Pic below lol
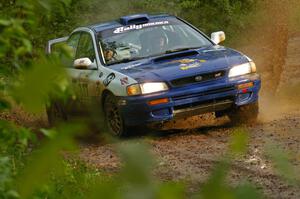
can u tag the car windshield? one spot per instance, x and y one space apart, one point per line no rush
133 42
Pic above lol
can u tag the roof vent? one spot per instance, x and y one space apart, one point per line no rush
134 19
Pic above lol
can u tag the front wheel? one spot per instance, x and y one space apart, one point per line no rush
246 114
114 120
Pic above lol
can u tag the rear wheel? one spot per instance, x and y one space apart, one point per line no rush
56 113
246 114
114 120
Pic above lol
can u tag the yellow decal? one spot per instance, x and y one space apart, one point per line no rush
184 61
186 67
186 64
194 64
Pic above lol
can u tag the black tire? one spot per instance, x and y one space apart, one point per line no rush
113 119
56 113
246 114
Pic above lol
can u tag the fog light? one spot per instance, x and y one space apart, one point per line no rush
246 85
158 101
244 97
162 112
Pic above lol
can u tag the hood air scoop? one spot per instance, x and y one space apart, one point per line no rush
175 55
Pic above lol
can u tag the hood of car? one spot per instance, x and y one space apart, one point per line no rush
182 64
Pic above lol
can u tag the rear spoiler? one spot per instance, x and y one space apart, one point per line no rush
54 41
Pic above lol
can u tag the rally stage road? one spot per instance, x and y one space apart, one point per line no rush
190 148
189 155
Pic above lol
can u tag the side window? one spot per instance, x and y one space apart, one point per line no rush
73 43
86 47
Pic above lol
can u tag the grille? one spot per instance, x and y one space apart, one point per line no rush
209 92
198 78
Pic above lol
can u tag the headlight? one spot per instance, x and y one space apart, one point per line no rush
242 69
146 88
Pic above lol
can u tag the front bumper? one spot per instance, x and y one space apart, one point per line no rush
190 100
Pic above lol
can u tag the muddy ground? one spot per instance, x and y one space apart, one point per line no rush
189 149
189 154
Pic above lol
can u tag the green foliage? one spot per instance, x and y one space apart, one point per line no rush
28 169
45 78
6 190
207 15
282 163
217 186
238 142
46 160
135 180
18 70
14 140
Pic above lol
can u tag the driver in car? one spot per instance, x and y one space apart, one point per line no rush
109 55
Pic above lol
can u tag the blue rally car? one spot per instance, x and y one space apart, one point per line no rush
143 69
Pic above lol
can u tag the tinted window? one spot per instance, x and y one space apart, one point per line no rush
86 47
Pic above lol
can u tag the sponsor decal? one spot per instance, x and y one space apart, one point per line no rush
108 79
131 66
189 66
124 81
184 61
189 63
140 26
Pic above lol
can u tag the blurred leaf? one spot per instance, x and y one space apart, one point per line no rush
4 104
46 161
4 22
138 163
247 191
46 78
14 140
281 162
171 191
107 190
6 179
50 133
216 187
238 141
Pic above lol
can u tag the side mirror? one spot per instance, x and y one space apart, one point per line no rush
84 63
218 37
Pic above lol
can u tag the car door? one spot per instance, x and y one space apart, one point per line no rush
85 81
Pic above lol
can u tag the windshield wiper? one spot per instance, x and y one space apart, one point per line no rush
180 49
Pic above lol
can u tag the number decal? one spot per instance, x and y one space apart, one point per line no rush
108 79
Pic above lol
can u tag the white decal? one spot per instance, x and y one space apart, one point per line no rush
131 66
137 27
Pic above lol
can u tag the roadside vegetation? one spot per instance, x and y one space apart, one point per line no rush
43 163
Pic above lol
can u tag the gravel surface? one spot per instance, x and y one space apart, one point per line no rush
189 149
190 154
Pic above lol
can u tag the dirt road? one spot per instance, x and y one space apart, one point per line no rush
189 155
193 146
